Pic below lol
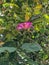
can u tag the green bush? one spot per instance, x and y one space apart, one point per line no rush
30 44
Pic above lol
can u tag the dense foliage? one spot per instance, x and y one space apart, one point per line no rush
24 32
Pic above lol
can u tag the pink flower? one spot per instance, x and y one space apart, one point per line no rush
25 25
19 26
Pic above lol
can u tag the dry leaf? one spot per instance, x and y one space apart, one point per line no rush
2 28
27 16
1 43
1 2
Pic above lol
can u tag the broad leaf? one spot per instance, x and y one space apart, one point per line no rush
9 49
31 47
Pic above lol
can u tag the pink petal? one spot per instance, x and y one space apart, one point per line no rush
25 25
20 26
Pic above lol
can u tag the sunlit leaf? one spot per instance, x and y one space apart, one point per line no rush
37 28
10 4
39 6
46 16
1 21
37 9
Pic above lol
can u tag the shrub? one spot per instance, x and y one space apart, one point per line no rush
24 32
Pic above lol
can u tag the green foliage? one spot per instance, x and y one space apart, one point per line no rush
24 47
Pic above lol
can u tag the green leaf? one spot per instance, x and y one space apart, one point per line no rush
33 63
9 49
35 17
31 47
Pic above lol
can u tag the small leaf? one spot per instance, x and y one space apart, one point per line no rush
46 16
35 17
37 9
27 16
37 28
39 6
10 4
1 20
